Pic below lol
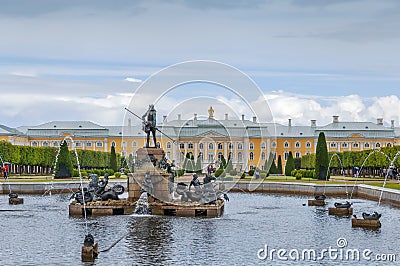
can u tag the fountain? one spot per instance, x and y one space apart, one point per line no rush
372 220
142 205
13 198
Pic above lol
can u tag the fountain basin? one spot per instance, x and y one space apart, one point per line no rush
188 209
340 211
109 207
365 223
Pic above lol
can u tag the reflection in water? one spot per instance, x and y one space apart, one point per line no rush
149 243
40 232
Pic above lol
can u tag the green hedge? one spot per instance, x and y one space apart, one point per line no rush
303 173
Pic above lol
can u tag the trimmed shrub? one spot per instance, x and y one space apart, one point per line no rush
84 173
180 172
117 174
298 176
219 172
110 172
251 172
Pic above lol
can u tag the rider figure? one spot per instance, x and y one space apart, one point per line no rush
195 182
149 124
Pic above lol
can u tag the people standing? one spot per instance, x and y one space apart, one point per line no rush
5 171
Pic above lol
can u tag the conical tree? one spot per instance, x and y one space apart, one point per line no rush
321 159
289 167
113 160
273 169
64 168
279 167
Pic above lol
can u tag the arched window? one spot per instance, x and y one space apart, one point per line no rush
366 145
201 156
220 156
355 145
134 144
285 155
263 156
251 156
168 155
123 153
190 146
377 145
297 145
308 152
333 145
240 157
388 144
308 144
344 145
240 146
123 144
45 144
263 146
201 146
273 145
182 146
113 144
286 144
230 146
220 147
55 144
210 146
230 156
168 145
297 154
210 157
251 146
158 145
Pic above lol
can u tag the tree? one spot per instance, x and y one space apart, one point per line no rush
64 166
198 168
321 158
113 159
289 167
268 163
279 168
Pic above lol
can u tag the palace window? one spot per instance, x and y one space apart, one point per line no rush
99 144
182 146
377 145
123 153
308 144
220 156
366 145
78 144
55 144
297 145
123 144
210 156
251 146
251 156
240 146
333 145
190 146
113 144
230 146
263 146
297 154
263 156
273 144
240 157
34 144
158 145
168 145
286 144
210 146
168 155
388 144
286 155
201 146
355 145
220 147
201 156
45 144
134 144
88 144
344 145
230 156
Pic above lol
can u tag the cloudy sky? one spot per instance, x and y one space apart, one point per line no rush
311 59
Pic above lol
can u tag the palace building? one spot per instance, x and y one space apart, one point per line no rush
247 142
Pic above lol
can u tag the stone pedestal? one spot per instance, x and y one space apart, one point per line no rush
340 211
365 223
89 253
159 178
15 201
316 202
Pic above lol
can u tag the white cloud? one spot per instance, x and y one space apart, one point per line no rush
134 80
